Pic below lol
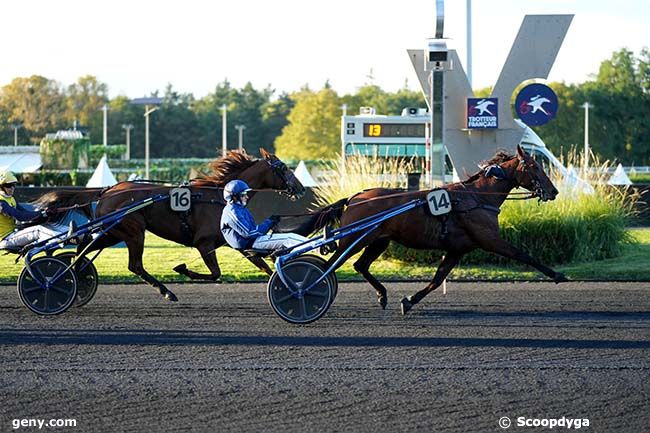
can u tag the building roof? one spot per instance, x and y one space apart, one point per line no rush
21 162
65 134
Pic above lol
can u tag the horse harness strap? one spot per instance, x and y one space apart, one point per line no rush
489 207
444 219
187 235
186 229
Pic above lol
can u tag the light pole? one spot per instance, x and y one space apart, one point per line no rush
469 41
344 112
224 130
147 102
105 110
240 129
16 127
128 127
586 106
147 112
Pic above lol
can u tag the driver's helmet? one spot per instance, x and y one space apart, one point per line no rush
234 189
7 177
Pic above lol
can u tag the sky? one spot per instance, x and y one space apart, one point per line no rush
139 46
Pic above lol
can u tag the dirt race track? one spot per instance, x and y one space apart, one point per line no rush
220 361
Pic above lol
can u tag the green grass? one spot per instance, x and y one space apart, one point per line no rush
161 256
640 177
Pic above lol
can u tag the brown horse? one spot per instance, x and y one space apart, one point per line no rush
198 227
472 223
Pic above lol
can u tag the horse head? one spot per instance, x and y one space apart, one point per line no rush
266 173
530 175
276 175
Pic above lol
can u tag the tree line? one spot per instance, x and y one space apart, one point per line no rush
305 124
184 126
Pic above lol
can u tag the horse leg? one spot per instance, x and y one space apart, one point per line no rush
505 249
447 264
260 264
370 254
340 250
98 244
135 244
207 250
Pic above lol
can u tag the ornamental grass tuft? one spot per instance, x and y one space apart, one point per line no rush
358 173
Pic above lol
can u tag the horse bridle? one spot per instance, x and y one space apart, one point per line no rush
279 169
537 189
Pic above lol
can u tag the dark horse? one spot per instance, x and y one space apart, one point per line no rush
197 228
472 223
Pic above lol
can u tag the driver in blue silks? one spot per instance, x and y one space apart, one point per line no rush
239 228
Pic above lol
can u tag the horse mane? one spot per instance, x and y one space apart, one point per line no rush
66 197
499 158
228 167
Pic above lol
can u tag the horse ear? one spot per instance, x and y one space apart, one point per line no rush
264 153
520 152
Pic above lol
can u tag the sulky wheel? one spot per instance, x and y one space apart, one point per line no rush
293 305
87 279
323 264
49 289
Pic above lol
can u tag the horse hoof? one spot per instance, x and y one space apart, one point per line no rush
383 300
171 297
181 269
406 306
560 278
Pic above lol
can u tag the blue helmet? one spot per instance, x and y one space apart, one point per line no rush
234 188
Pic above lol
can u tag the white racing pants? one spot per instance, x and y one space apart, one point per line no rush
277 241
31 234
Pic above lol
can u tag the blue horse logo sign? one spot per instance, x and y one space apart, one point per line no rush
482 113
536 104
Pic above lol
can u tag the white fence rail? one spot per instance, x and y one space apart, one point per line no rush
630 169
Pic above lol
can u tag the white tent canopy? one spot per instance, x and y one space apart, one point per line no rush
304 176
20 162
619 177
103 176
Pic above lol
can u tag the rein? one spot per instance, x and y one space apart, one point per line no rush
107 193
523 195
528 196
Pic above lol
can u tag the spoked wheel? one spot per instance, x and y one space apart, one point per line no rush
87 279
292 303
323 264
51 290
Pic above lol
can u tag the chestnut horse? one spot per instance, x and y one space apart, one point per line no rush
472 223
198 227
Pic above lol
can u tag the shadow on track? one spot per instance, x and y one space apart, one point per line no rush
153 337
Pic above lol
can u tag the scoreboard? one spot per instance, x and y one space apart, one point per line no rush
385 136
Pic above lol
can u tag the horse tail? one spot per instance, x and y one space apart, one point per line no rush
67 198
330 214
316 220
